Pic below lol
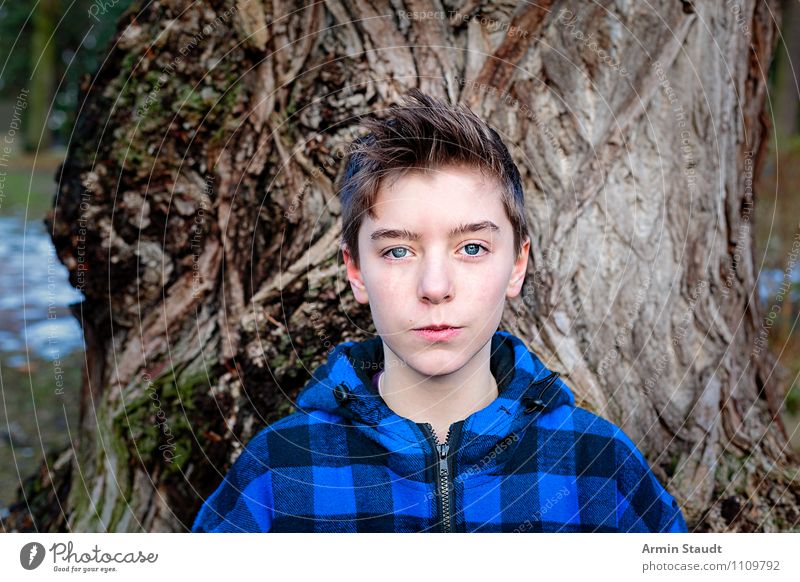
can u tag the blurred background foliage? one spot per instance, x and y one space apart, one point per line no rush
50 50
45 55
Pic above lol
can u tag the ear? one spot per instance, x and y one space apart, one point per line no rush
355 277
520 267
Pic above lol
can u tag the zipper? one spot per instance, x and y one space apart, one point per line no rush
443 476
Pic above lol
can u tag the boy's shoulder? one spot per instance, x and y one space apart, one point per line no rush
597 439
286 445
299 429
603 449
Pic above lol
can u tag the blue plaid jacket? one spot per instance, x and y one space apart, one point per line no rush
530 461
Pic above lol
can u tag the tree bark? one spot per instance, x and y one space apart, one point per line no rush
198 212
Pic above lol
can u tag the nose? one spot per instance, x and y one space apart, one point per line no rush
436 280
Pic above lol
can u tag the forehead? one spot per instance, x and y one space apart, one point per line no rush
463 175
444 198
452 201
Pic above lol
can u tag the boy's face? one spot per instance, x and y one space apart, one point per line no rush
461 279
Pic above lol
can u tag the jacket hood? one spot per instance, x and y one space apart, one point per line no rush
343 386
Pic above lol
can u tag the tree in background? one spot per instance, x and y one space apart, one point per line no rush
786 104
198 213
49 47
42 67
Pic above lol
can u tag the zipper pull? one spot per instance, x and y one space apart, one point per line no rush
443 449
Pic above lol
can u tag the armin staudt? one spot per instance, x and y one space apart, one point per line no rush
684 549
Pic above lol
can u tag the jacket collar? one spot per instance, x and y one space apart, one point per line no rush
343 385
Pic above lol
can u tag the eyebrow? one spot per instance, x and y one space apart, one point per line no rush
404 234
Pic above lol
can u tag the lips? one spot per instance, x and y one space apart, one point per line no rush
438 333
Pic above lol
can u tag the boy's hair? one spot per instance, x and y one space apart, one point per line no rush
424 134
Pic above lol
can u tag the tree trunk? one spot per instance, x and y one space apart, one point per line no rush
198 212
43 75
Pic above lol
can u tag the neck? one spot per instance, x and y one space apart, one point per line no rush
438 400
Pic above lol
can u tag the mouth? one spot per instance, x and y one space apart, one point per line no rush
437 333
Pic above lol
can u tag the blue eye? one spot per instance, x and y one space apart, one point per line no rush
475 246
393 250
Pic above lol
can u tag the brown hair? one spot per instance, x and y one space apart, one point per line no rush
424 134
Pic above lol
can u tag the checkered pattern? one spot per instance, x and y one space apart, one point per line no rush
531 461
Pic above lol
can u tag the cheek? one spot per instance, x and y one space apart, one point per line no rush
487 284
388 286
387 292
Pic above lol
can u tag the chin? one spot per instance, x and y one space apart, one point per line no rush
435 362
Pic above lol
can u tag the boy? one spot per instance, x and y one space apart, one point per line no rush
441 423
